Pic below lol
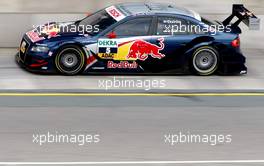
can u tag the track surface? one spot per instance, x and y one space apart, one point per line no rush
14 78
131 128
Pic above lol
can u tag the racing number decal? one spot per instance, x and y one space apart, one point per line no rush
107 48
129 50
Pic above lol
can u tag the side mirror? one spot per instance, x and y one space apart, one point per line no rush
112 35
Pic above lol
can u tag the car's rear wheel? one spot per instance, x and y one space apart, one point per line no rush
70 60
205 61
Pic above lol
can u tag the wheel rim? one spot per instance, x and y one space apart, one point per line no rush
70 61
205 61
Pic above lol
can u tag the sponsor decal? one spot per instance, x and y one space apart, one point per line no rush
50 53
34 36
107 43
91 59
141 50
91 51
122 65
23 47
129 50
115 13
51 31
107 48
172 22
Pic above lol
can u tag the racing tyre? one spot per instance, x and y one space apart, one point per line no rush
205 61
70 60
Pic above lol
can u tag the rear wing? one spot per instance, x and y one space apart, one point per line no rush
243 15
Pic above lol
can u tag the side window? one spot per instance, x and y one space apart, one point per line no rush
135 27
175 26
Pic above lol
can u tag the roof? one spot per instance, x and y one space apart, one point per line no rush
148 8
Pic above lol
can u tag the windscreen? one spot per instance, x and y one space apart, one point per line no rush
101 20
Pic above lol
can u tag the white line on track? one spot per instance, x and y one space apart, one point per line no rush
136 162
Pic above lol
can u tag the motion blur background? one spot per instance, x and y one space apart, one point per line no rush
18 16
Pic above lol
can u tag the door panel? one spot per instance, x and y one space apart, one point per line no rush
132 43
175 41
124 49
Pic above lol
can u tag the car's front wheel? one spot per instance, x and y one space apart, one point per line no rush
70 60
205 61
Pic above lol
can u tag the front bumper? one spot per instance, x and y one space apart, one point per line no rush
33 61
42 66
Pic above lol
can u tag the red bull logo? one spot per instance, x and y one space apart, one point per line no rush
51 30
141 50
122 65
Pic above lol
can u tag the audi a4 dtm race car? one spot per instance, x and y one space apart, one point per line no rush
138 38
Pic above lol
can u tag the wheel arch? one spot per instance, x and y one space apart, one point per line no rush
195 44
200 42
66 44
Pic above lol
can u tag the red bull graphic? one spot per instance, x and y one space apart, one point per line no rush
51 30
122 65
141 49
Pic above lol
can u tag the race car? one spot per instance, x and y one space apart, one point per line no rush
138 38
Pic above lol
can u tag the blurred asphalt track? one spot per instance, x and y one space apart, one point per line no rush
132 128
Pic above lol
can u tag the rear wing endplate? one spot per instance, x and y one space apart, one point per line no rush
243 15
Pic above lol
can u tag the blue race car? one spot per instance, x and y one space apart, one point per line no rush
138 38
